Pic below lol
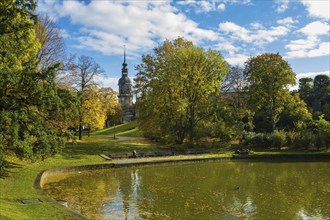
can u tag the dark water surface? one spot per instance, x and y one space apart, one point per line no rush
205 190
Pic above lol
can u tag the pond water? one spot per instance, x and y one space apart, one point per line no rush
203 190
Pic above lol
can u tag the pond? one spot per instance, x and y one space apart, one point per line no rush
202 190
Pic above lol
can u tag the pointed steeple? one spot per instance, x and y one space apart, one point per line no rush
124 53
124 70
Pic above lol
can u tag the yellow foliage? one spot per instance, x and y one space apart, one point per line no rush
94 115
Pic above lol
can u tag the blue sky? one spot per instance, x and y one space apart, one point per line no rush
299 30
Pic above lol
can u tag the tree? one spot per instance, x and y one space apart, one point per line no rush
110 102
295 114
235 80
316 93
234 93
93 111
115 116
52 48
176 89
306 90
321 91
269 77
82 77
28 96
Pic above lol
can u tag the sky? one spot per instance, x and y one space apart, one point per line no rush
299 30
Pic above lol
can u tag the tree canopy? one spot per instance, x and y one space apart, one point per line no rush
176 89
269 77
29 96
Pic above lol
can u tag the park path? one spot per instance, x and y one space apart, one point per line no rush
125 138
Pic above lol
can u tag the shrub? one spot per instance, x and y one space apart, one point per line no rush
305 139
322 137
277 139
291 137
265 140
256 140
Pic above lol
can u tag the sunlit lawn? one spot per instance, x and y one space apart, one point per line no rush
127 129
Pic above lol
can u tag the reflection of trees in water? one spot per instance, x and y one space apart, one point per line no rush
224 190
85 193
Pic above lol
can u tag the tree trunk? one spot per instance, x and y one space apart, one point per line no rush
191 127
180 137
272 116
80 131
81 115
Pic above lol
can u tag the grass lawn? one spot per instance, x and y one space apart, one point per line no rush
128 129
18 184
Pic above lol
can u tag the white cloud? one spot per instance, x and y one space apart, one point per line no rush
288 22
319 50
256 25
302 44
316 28
318 8
282 5
205 6
242 2
106 81
312 74
64 33
200 6
221 7
238 59
225 46
258 36
311 45
106 25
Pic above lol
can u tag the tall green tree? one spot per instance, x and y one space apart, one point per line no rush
28 95
269 77
306 90
177 87
321 92
316 93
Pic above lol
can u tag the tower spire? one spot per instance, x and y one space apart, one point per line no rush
124 53
124 69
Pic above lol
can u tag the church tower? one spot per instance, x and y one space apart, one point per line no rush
125 96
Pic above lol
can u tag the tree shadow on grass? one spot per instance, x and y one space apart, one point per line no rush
8 166
107 145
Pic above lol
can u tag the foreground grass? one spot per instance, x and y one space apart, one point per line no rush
18 184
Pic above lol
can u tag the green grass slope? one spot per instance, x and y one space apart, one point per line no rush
128 129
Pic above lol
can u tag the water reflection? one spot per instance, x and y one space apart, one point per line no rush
212 190
124 205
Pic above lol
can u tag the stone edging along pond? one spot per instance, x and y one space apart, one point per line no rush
46 175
